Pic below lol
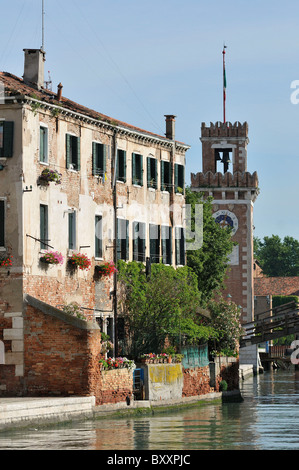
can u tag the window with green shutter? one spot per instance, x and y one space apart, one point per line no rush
6 139
43 227
166 242
137 169
72 152
152 173
2 224
72 230
166 176
154 238
121 174
122 239
43 144
98 236
179 178
179 246
99 157
139 235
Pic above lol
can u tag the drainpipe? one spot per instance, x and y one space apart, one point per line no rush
115 339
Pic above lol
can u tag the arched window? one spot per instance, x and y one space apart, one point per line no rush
2 353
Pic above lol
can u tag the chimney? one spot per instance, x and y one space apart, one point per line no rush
34 67
170 126
59 91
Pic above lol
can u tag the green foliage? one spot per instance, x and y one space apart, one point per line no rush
160 308
226 321
74 309
277 257
210 262
278 300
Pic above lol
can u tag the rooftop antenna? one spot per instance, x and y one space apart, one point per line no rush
43 26
224 83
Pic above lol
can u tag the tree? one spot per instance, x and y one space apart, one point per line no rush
210 262
160 310
277 257
225 318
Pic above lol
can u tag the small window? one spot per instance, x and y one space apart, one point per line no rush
43 144
154 236
72 152
137 169
179 178
139 235
152 174
98 236
6 139
2 224
165 176
44 235
179 246
166 241
99 152
122 239
121 166
72 230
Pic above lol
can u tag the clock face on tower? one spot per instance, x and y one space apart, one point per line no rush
226 219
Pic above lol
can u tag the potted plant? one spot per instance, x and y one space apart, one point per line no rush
106 269
48 176
52 257
6 260
80 260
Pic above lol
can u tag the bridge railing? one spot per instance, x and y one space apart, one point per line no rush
273 323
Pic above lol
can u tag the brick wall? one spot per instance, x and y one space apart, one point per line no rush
196 381
60 353
116 386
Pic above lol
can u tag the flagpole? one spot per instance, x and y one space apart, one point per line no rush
224 84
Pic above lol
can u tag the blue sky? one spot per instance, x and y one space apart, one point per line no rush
138 60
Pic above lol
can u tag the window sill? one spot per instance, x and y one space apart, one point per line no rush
43 163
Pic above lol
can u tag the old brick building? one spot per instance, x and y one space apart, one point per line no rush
234 190
115 192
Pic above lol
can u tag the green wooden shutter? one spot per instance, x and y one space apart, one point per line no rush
164 243
133 168
8 133
162 175
68 150
156 174
127 240
141 170
176 177
142 235
125 166
170 182
94 158
78 154
43 226
135 241
177 245
118 240
105 152
149 176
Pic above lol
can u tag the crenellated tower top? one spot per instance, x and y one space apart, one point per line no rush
224 147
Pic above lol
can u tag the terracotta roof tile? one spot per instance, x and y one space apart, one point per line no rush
16 86
276 285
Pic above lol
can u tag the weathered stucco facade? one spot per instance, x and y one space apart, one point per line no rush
112 175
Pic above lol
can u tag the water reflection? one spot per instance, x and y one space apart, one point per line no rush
268 418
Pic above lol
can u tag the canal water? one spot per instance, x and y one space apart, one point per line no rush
267 419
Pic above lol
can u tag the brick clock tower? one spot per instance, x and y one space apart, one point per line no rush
234 190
